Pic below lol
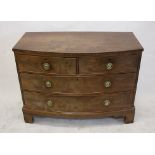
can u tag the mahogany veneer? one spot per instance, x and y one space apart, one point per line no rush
78 74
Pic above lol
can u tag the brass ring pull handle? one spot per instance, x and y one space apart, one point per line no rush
48 84
106 103
46 66
109 66
49 103
107 84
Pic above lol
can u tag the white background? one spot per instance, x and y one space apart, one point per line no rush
77 10
11 119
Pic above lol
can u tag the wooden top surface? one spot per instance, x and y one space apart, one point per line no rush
78 42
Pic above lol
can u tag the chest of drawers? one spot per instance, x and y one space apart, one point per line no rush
78 74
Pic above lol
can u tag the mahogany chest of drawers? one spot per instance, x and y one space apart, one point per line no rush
78 74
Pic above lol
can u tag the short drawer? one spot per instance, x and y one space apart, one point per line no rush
78 84
105 102
44 64
123 63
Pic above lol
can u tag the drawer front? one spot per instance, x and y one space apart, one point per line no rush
82 84
41 64
108 64
47 102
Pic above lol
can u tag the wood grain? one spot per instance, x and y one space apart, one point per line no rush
78 42
58 65
78 84
78 73
125 63
38 101
127 114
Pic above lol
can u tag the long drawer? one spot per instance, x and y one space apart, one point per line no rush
105 102
78 84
